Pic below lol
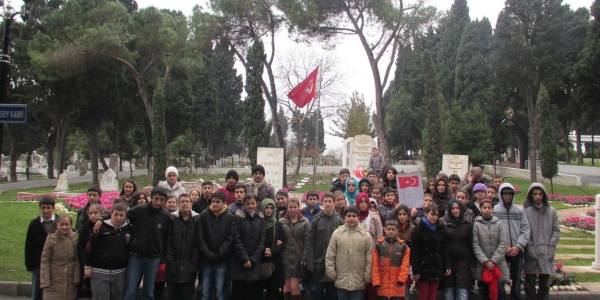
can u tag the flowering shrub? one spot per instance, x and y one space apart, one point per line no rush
33 198
571 200
561 277
591 213
320 199
585 223
79 201
360 172
517 189
288 188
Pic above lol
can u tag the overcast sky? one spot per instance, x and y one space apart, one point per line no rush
349 50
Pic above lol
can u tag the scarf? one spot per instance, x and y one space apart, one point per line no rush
218 213
351 196
426 222
362 214
257 186
491 278
270 220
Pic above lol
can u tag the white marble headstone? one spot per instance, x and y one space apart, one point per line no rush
455 164
63 183
357 151
109 181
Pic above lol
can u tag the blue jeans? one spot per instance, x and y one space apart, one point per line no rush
324 290
515 266
136 267
456 293
350 295
213 276
37 292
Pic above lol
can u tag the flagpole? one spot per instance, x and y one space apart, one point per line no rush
317 135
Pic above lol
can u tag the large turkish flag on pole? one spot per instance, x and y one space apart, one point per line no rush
305 90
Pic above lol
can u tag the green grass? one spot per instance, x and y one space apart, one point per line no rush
586 277
577 234
577 262
309 187
587 162
575 251
577 242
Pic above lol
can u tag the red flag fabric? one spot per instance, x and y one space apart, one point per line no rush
305 90
409 181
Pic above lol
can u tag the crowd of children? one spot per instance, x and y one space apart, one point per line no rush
357 242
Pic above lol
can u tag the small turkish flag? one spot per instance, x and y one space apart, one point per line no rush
409 181
305 90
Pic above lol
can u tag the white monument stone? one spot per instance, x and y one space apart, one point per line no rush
455 164
357 151
63 183
109 181
272 160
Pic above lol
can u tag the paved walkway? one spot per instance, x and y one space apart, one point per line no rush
52 182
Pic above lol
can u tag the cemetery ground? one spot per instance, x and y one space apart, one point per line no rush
576 247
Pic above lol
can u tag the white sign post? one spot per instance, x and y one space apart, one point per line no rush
357 151
455 164
410 189
272 160
596 264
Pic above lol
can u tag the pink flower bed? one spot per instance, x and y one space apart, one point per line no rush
585 223
571 200
79 201
591 213
33 197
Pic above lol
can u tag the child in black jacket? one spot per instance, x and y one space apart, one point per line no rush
106 255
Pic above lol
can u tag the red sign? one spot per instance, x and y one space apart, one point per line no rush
408 181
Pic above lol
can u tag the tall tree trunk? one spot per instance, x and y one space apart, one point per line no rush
115 136
28 157
62 134
14 152
93 147
51 144
578 147
565 131
102 160
300 148
531 95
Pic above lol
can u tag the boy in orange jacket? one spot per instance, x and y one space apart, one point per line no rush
391 263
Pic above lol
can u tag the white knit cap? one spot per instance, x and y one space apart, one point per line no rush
171 169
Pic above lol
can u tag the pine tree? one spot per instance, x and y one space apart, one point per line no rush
159 135
548 150
451 30
254 105
433 142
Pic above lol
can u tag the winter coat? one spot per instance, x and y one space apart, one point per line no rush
107 249
82 217
200 205
248 245
514 220
474 209
385 212
376 162
215 236
545 233
59 271
321 229
277 280
349 257
489 244
295 248
428 256
375 228
337 185
405 234
459 245
468 186
229 194
181 253
149 233
391 263
34 243
233 207
308 214
177 189
265 191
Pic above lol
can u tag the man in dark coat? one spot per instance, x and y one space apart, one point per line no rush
340 183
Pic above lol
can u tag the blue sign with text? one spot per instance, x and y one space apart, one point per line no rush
13 113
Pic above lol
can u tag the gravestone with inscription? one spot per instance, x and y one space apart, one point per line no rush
272 160
357 151
109 181
455 164
63 183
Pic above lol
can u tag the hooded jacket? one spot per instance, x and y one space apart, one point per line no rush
108 248
181 253
177 189
459 245
149 230
428 256
248 245
368 181
295 248
514 220
489 244
391 264
215 235
337 185
59 271
308 214
545 233
321 229
349 257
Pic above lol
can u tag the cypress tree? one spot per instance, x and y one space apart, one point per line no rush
548 150
433 143
254 106
159 135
